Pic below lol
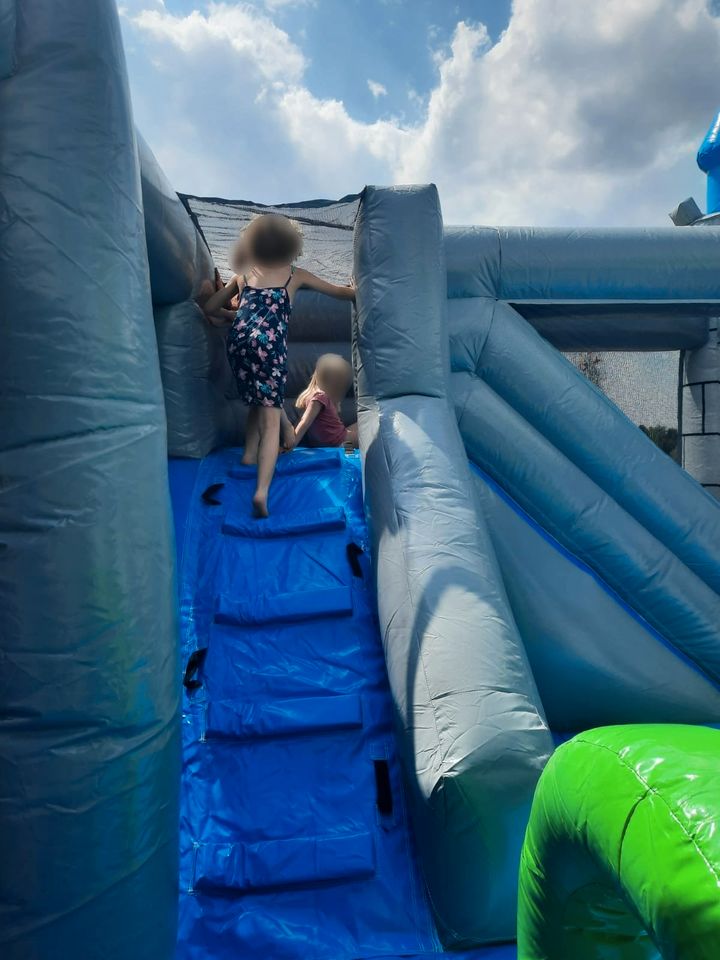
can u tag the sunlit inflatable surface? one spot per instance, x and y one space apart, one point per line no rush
369 686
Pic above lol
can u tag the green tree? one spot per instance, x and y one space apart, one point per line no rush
664 437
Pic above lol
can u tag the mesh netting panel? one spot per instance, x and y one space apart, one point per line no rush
327 230
643 385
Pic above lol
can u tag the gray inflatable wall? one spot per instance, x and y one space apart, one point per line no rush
88 729
700 390
653 289
472 731
196 379
600 289
700 410
531 421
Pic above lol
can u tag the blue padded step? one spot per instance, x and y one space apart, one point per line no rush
284 607
283 863
314 521
274 718
299 461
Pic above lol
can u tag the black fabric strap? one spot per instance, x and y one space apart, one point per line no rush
208 496
383 788
354 552
195 661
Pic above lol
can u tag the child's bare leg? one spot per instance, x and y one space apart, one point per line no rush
269 425
351 436
252 437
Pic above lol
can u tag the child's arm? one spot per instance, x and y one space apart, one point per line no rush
220 297
311 411
288 439
221 317
308 280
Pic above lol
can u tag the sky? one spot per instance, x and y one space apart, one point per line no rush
537 112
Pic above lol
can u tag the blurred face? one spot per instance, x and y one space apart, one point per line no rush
338 378
272 240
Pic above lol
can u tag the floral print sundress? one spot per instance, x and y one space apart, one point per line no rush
257 344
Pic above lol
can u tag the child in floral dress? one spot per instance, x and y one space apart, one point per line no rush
257 340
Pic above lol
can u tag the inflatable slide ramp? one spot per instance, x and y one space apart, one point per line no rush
295 841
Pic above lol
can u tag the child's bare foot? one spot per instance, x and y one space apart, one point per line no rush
260 508
248 460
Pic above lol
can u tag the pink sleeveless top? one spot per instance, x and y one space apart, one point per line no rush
327 429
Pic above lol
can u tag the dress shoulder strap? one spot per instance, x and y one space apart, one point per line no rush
292 271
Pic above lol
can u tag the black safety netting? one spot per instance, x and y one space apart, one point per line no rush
327 227
643 385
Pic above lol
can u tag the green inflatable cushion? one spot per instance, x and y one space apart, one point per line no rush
621 857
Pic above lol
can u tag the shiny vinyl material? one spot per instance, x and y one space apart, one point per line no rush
173 243
294 838
594 659
197 383
473 737
595 563
89 733
493 344
196 380
599 289
531 264
622 853
399 270
645 527
708 159
591 524
608 552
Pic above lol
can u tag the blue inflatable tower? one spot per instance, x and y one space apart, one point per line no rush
708 159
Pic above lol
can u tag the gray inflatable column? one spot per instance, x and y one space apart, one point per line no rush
196 378
472 733
700 420
88 722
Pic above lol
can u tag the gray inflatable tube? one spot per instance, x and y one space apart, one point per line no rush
472 731
89 754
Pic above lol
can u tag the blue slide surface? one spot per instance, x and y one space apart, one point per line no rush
294 835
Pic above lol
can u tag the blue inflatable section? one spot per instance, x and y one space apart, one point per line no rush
294 836
708 159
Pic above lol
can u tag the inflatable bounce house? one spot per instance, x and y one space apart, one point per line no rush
459 691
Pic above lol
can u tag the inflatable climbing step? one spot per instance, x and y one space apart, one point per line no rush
294 834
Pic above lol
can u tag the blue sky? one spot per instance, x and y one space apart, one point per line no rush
539 112
392 42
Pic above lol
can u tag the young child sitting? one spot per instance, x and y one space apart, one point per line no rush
257 339
320 401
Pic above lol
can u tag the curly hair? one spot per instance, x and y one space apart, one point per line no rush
272 239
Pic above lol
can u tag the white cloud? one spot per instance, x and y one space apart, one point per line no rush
277 4
245 30
376 89
577 114
581 112
339 153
